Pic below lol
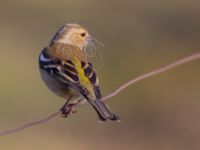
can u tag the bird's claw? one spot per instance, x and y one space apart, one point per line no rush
66 110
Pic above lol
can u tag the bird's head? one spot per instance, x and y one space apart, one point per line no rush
73 34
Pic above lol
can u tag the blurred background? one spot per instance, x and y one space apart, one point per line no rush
158 113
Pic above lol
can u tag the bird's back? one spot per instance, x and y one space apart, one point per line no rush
66 52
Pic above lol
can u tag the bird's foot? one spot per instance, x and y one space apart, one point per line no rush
66 110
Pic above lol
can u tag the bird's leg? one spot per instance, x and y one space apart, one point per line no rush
72 105
68 109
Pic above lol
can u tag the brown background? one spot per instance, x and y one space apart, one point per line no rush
159 113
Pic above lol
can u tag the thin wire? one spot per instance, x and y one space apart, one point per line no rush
152 73
29 124
117 91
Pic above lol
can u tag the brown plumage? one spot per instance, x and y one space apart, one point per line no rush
66 52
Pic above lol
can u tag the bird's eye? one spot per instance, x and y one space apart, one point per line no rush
83 34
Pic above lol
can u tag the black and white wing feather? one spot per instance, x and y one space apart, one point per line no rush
65 72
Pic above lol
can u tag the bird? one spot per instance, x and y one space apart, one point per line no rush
68 72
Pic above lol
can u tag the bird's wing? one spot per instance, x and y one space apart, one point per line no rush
64 71
67 73
90 73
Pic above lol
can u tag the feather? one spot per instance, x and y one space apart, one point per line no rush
70 66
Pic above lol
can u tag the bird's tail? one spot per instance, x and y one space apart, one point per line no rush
103 111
